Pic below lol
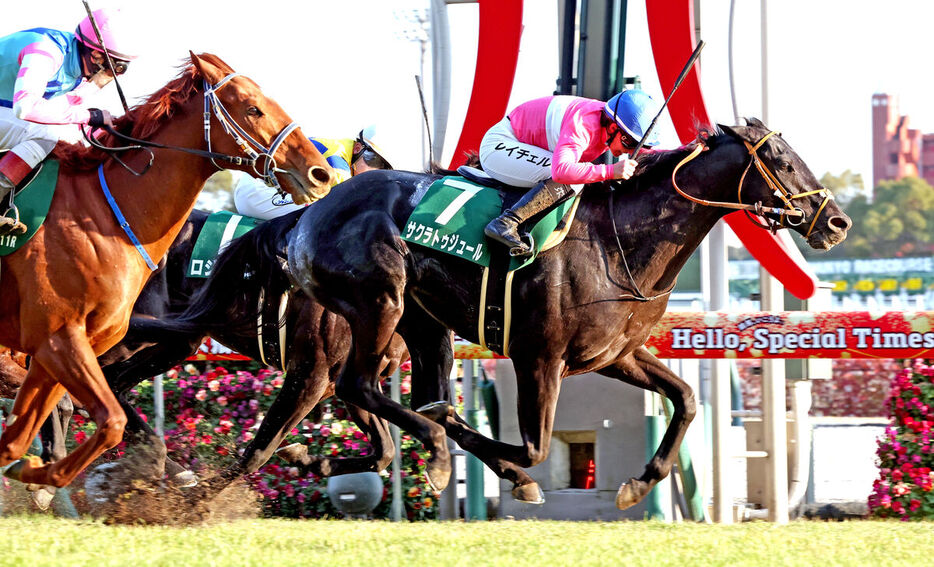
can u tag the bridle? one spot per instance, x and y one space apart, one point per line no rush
249 146
786 214
254 150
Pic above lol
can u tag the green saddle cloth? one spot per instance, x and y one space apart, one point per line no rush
451 217
219 229
33 202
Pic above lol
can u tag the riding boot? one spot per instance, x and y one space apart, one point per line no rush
13 169
541 198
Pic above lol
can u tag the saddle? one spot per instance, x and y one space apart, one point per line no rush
450 218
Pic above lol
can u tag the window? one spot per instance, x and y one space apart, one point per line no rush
583 467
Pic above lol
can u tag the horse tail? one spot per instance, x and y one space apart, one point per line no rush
229 301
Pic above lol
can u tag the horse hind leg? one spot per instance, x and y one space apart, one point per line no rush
34 402
644 370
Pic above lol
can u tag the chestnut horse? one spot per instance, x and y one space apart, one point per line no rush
68 293
586 305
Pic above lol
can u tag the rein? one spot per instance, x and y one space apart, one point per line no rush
779 190
770 179
244 141
247 144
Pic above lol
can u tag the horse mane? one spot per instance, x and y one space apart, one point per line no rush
143 119
247 265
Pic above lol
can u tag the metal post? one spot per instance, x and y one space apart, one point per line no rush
475 505
395 392
717 283
775 432
158 405
448 502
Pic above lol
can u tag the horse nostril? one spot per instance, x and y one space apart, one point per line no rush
319 175
842 223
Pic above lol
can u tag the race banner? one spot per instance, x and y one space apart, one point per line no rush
794 334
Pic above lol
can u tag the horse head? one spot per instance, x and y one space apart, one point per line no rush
778 178
256 125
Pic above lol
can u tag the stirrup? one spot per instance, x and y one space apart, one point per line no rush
11 224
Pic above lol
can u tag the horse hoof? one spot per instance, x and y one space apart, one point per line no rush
436 411
528 494
43 497
15 471
185 479
438 475
294 453
631 493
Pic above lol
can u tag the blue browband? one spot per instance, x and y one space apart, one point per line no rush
122 220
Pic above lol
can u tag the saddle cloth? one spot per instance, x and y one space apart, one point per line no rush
33 201
451 217
219 229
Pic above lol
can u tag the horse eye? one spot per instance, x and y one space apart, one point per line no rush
254 111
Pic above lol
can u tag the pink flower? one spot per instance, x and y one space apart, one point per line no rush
214 385
201 395
222 400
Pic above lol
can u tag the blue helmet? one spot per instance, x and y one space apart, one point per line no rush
633 111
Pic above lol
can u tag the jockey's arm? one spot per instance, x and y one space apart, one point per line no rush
39 64
566 166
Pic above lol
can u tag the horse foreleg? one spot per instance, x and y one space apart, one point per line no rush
54 429
357 390
642 369
70 359
431 367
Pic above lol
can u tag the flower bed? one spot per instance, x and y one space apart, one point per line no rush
906 452
211 415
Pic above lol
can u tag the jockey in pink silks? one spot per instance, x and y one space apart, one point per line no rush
548 143
47 78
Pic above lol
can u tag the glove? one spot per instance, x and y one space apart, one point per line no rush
100 118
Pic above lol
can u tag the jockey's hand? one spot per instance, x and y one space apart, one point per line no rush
624 168
100 118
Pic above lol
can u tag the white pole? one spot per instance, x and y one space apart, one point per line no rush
721 401
395 392
158 405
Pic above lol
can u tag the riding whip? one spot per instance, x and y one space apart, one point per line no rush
110 63
684 73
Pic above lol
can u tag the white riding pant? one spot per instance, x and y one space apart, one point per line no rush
31 141
253 198
515 163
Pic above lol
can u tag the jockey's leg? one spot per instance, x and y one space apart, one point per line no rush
541 198
29 143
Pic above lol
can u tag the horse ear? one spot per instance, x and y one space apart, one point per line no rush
211 72
752 121
735 132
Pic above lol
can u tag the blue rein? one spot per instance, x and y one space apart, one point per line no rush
122 220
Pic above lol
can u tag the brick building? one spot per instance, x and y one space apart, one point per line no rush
898 150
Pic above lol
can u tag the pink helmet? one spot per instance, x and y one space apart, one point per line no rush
113 32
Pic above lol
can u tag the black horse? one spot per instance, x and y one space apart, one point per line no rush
247 284
586 305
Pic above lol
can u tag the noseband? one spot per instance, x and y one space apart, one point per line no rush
247 144
785 214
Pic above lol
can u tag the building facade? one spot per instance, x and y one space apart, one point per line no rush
897 149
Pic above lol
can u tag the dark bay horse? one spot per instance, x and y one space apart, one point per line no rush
69 292
247 282
586 305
